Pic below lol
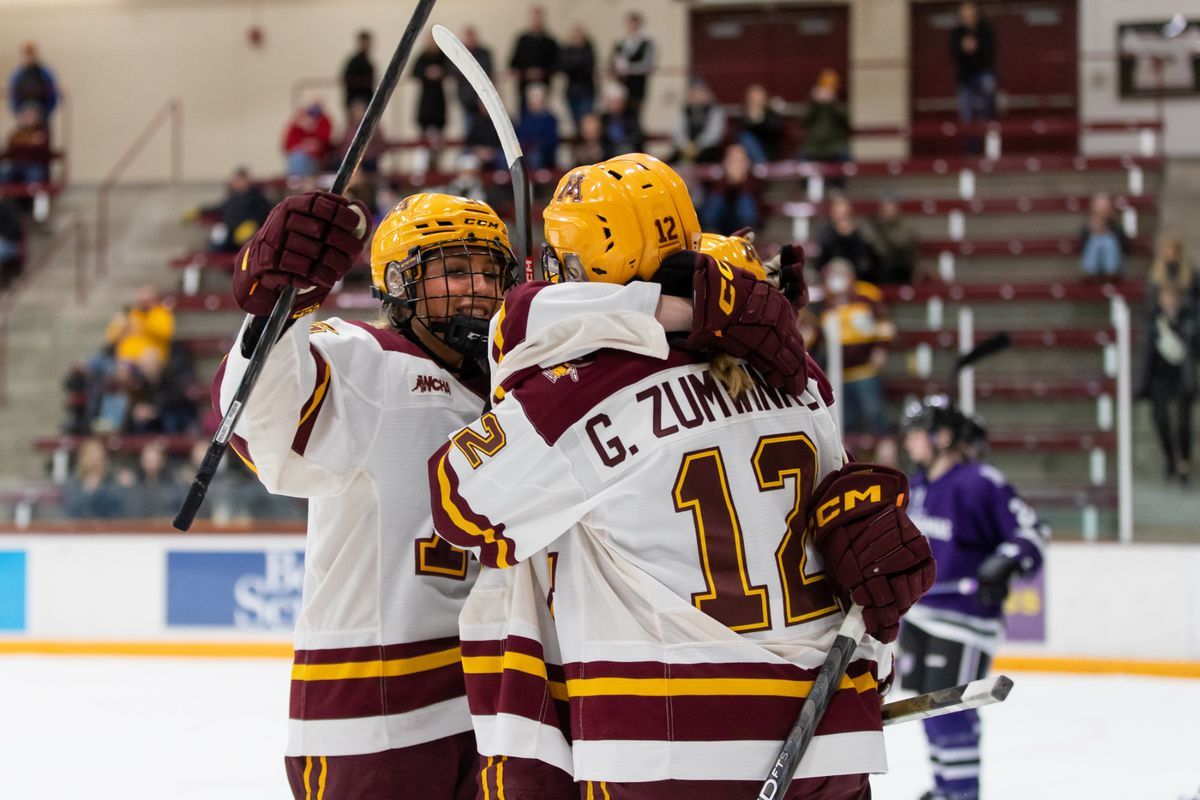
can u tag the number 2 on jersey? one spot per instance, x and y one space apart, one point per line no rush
703 488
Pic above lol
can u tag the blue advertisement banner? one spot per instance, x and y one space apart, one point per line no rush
12 590
249 590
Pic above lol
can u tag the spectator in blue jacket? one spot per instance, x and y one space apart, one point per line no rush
32 83
538 129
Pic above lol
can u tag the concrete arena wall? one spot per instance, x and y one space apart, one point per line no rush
1139 603
121 60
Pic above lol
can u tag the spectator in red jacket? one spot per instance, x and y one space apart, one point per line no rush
307 140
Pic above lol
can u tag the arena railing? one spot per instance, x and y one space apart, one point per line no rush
1114 414
170 114
73 226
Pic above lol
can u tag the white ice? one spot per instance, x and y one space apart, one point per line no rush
197 729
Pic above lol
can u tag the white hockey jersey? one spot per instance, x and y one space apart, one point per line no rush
690 612
346 414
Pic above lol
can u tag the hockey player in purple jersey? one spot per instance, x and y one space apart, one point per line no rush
979 529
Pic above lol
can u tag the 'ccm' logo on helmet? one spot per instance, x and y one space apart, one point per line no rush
481 223
428 383
832 508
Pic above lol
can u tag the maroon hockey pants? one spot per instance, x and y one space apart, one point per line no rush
443 769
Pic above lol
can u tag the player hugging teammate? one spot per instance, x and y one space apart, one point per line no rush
672 533
982 534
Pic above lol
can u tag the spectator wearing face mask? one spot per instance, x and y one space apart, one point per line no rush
866 330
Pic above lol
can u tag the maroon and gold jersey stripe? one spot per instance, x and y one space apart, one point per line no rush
456 522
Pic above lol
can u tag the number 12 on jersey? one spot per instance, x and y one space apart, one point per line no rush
702 487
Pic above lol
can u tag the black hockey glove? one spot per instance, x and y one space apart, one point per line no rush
994 576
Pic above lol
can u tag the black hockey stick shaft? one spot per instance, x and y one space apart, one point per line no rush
975 694
283 304
469 67
823 689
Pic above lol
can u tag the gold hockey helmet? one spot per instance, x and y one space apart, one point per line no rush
735 251
617 220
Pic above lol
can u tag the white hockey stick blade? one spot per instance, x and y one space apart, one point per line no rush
975 694
461 57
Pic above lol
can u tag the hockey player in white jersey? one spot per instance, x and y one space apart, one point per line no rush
711 526
346 414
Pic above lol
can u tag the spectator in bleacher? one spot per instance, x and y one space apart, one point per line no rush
12 250
32 83
622 133
1103 242
732 202
700 132
467 99
92 493
590 147
375 148
1171 269
147 324
1170 352
179 394
26 158
535 54
241 212
762 126
307 140
430 71
483 142
866 330
577 63
358 76
894 245
152 490
76 386
973 47
537 129
826 123
633 61
842 237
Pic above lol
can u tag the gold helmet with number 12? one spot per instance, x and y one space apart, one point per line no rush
616 221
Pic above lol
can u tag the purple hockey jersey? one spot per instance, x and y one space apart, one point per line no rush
967 514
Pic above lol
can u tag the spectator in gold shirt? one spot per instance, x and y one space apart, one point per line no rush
866 331
146 326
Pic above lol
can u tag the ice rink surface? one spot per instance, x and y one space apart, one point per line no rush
195 729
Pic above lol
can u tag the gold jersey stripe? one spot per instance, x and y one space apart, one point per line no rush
685 687
391 668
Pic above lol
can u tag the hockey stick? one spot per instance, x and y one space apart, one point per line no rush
269 332
462 59
826 683
988 347
975 694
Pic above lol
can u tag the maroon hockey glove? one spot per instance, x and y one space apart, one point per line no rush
786 269
873 553
309 241
748 318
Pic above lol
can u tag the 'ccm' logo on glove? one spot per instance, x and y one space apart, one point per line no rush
832 508
727 294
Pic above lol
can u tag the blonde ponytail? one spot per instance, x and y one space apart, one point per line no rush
732 375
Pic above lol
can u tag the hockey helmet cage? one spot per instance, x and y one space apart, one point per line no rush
428 225
615 221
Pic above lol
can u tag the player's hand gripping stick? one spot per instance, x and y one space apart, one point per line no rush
823 688
282 310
